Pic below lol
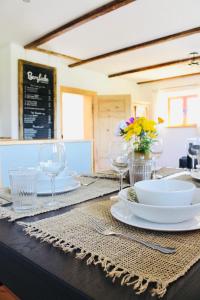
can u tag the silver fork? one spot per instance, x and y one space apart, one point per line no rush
106 231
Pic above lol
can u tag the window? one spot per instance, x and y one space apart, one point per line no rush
183 111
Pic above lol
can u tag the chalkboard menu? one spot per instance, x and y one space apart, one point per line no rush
37 101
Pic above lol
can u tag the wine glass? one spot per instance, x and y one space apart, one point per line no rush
193 150
156 150
118 156
52 162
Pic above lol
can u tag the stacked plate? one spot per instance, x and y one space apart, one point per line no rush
164 205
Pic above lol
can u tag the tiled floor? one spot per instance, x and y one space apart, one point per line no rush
6 294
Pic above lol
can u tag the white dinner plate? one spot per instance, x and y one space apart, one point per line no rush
120 212
46 191
195 175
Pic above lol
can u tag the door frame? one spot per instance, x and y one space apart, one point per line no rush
78 91
128 100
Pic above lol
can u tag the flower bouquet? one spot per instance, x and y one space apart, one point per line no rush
140 133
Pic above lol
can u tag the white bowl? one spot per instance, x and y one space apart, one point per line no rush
165 192
163 214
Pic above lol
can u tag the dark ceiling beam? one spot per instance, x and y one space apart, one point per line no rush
50 52
152 67
100 11
154 42
169 78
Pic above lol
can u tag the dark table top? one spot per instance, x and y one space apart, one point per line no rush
38 271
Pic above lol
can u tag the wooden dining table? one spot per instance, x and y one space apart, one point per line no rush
38 271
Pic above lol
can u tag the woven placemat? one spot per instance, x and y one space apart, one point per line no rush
2 201
164 172
99 188
190 179
132 263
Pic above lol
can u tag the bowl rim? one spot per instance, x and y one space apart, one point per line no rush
194 205
189 189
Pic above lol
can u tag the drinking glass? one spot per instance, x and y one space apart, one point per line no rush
156 150
52 162
118 155
193 150
23 188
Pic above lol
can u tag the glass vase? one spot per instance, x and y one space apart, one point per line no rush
140 167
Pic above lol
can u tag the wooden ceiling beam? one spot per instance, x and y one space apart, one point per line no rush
50 52
154 42
100 11
169 78
152 67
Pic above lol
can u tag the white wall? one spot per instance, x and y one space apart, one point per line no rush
5 95
174 138
77 77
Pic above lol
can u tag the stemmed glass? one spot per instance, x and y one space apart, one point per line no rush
52 162
193 150
118 155
156 150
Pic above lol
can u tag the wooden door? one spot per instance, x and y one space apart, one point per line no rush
108 112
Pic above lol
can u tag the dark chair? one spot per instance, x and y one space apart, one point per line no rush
186 162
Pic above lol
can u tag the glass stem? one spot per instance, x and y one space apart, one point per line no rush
120 181
154 168
52 187
193 162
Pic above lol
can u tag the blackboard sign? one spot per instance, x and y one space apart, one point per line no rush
37 101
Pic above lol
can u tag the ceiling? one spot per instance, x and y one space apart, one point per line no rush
137 22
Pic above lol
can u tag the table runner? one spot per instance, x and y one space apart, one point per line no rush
99 188
131 263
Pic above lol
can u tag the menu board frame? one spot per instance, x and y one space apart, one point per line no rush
21 64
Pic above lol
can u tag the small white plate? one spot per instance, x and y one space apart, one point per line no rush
59 189
120 212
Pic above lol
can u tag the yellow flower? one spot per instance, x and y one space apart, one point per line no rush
140 126
152 135
149 125
160 120
137 129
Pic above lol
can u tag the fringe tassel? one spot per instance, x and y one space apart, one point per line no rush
138 283
159 290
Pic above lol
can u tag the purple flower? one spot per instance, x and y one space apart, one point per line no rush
130 121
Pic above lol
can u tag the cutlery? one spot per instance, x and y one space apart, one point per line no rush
106 231
89 183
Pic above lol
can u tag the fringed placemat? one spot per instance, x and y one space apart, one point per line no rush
164 172
190 179
86 192
130 262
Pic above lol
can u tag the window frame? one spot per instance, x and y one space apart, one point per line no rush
185 100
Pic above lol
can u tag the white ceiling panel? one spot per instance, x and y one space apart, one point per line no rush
134 23
22 22
137 22
170 71
164 52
